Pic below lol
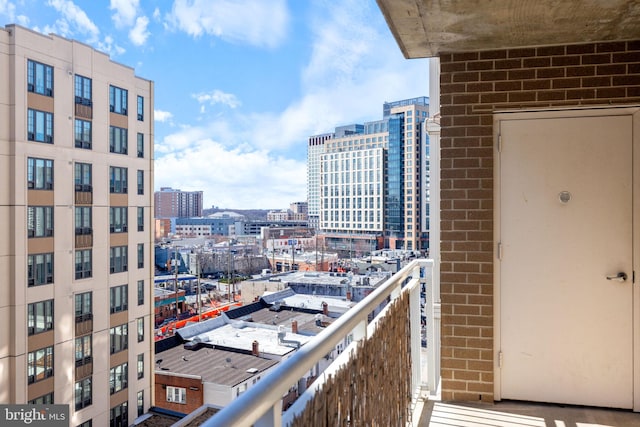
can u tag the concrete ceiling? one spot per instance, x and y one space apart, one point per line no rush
426 28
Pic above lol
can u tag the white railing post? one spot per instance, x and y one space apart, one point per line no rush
416 336
271 418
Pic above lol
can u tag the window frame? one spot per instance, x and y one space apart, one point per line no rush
40 173
179 392
119 378
85 355
83 176
83 133
83 301
140 366
40 272
140 181
118 180
118 338
140 292
140 328
81 389
118 299
118 100
33 363
84 265
39 215
45 317
118 259
140 108
140 145
80 90
33 77
83 220
140 251
140 218
35 119
118 140
118 219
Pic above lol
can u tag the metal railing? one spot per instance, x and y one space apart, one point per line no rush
261 405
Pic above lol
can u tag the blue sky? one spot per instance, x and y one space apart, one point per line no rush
241 84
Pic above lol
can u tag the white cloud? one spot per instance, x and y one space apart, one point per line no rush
217 97
245 159
139 34
231 177
8 9
73 16
255 22
125 12
23 20
110 47
162 116
156 14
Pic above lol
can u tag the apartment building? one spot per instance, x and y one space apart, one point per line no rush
174 203
371 181
75 215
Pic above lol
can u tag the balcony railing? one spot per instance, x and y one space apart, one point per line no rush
377 379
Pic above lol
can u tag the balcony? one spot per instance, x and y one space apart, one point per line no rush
386 376
377 379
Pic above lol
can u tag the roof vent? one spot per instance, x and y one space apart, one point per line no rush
252 370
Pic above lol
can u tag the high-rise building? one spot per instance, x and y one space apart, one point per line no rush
173 203
368 188
315 149
76 260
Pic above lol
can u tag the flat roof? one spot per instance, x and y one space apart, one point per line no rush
241 335
213 365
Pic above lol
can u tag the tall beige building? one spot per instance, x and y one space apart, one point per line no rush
76 180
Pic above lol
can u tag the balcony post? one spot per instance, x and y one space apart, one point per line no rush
416 334
271 418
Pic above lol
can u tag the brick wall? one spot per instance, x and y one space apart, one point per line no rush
473 85
194 389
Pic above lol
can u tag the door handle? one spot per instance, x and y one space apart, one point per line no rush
620 277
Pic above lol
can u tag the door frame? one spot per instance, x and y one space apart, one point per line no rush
569 112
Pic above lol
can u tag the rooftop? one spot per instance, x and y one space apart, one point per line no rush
212 365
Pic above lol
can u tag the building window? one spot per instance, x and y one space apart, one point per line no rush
84 307
118 260
83 264
140 145
88 423
39 365
140 324
119 298
176 394
83 90
117 180
83 134
39 269
119 338
39 78
117 140
40 317
83 177
118 219
140 255
39 221
141 219
140 400
140 175
118 100
119 415
83 393
39 126
39 174
46 399
140 108
140 292
118 378
83 220
83 350
141 365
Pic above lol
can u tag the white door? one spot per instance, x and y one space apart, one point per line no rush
565 232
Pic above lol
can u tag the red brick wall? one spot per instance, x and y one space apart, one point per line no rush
473 85
195 397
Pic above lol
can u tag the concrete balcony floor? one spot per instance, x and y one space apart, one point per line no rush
522 414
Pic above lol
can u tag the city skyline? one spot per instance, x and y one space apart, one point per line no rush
235 123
